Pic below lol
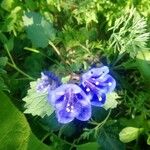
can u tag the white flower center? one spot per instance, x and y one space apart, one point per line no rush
109 84
88 89
97 83
100 98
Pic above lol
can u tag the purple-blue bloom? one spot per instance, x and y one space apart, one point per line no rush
48 81
97 83
70 102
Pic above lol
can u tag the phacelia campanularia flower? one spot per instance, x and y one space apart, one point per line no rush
48 81
70 102
97 82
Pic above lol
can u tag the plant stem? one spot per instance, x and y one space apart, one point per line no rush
57 51
55 48
20 71
6 48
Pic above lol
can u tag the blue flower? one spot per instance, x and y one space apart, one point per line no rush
70 102
48 81
97 83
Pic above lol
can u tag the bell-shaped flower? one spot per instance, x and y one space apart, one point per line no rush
48 81
70 102
97 83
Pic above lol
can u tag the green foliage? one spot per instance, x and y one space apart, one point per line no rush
16 135
38 99
67 38
129 33
39 30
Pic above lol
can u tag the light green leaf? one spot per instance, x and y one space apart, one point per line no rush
88 146
129 134
39 30
15 132
37 102
111 101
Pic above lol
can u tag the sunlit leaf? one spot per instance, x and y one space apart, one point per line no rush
111 101
37 102
15 132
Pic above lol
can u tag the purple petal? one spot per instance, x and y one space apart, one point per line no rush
98 100
106 84
95 73
48 81
84 113
64 117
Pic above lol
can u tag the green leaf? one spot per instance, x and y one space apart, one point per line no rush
15 132
3 61
111 101
108 139
88 146
129 134
39 30
37 102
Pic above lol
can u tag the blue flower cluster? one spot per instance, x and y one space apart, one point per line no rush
74 100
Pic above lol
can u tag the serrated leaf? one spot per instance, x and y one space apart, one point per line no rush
15 132
88 146
39 30
129 134
37 102
111 101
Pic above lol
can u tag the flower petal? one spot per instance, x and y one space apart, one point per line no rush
64 117
95 73
106 84
98 100
84 113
